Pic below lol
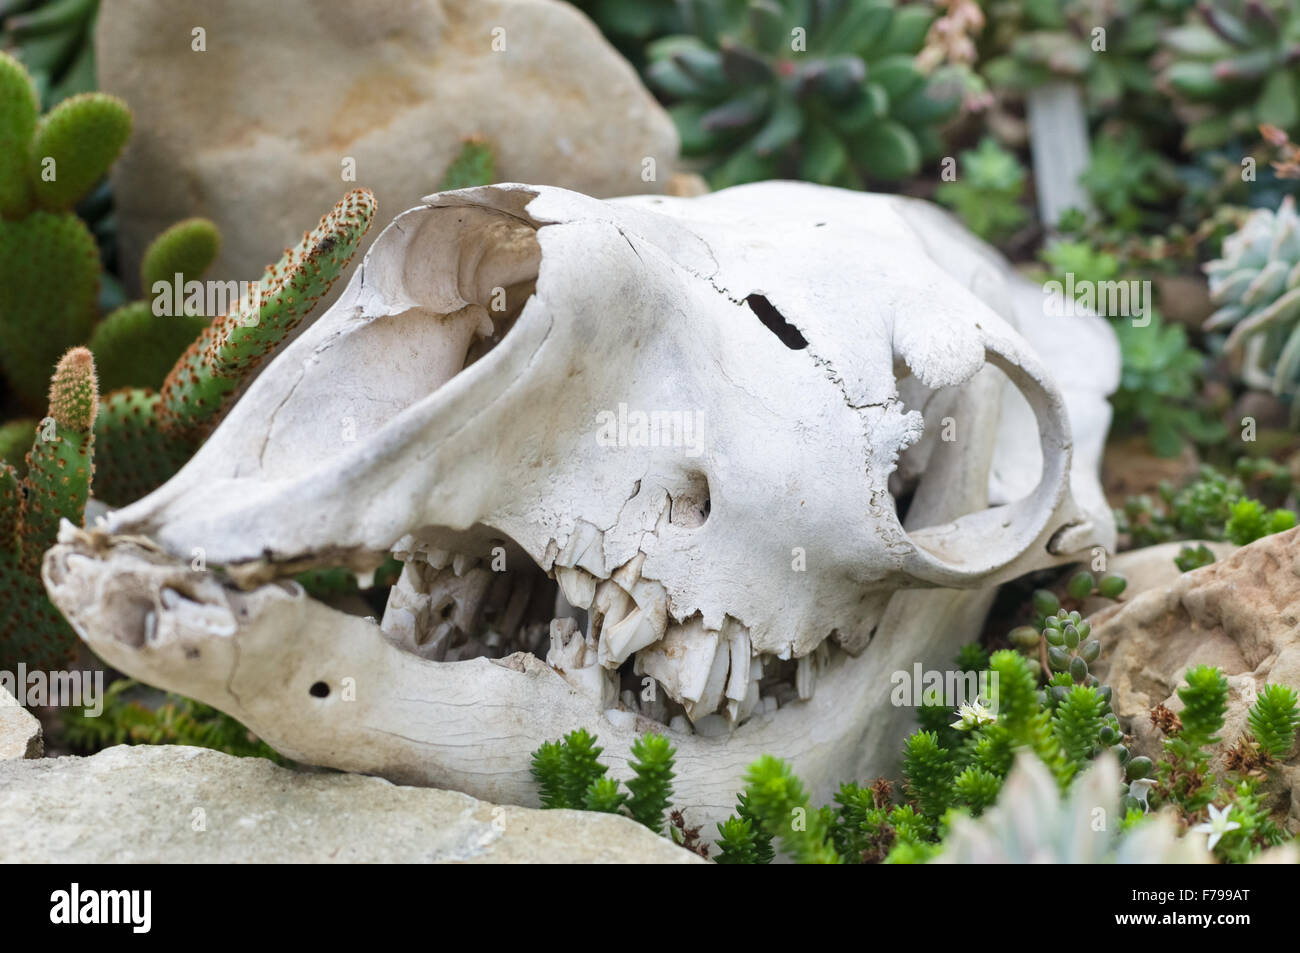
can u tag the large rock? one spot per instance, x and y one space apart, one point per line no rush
173 804
20 732
1151 567
1241 614
253 133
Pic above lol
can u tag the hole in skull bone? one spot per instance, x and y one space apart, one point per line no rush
319 690
775 322
689 506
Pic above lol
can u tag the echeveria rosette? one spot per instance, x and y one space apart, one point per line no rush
1030 43
1256 285
840 103
1233 66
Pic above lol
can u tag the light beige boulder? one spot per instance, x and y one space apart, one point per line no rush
20 732
1241 614
256 131
1151 567
174 804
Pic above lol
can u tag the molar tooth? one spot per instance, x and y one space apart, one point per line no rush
573 658
680 724
690 663
611 602
579 585
437 558
460 563
639 628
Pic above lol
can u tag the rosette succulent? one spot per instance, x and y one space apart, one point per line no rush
829 92
1256 285
1235 65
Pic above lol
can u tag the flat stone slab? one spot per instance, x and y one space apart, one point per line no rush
177 804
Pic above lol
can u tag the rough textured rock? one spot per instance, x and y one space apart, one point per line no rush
1152 567
173 804
1241 614
253 132
20 732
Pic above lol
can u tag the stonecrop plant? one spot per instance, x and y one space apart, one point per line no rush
1215 506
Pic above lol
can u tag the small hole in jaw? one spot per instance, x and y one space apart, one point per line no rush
320 690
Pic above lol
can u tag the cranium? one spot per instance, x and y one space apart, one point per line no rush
740 568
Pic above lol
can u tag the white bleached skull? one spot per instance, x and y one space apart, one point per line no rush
689 413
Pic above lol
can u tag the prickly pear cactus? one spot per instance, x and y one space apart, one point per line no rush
144 436
56 486
828 92
49 264
133 346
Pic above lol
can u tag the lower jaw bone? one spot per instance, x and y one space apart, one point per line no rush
331 689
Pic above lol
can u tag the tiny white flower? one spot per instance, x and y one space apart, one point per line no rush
973 715
1216 826
1139 789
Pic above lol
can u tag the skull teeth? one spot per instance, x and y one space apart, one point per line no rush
699 678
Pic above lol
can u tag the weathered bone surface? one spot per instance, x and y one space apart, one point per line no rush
739 569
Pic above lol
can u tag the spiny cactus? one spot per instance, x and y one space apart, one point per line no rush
49 261
136 347
145 436
56 486
827 92
1256 285
1236 65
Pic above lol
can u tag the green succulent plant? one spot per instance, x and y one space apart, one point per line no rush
989 191
141 437
50 278
54 40
54 486
1234 66
1256 285
1104 47
144 436
1160 379
823 91
569 775
1213 506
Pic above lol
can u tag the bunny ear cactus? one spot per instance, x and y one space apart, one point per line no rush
828 92
1234 66
145 436
49 263
1256 285
55 487
135 346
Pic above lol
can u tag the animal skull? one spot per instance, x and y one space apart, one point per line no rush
483 402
